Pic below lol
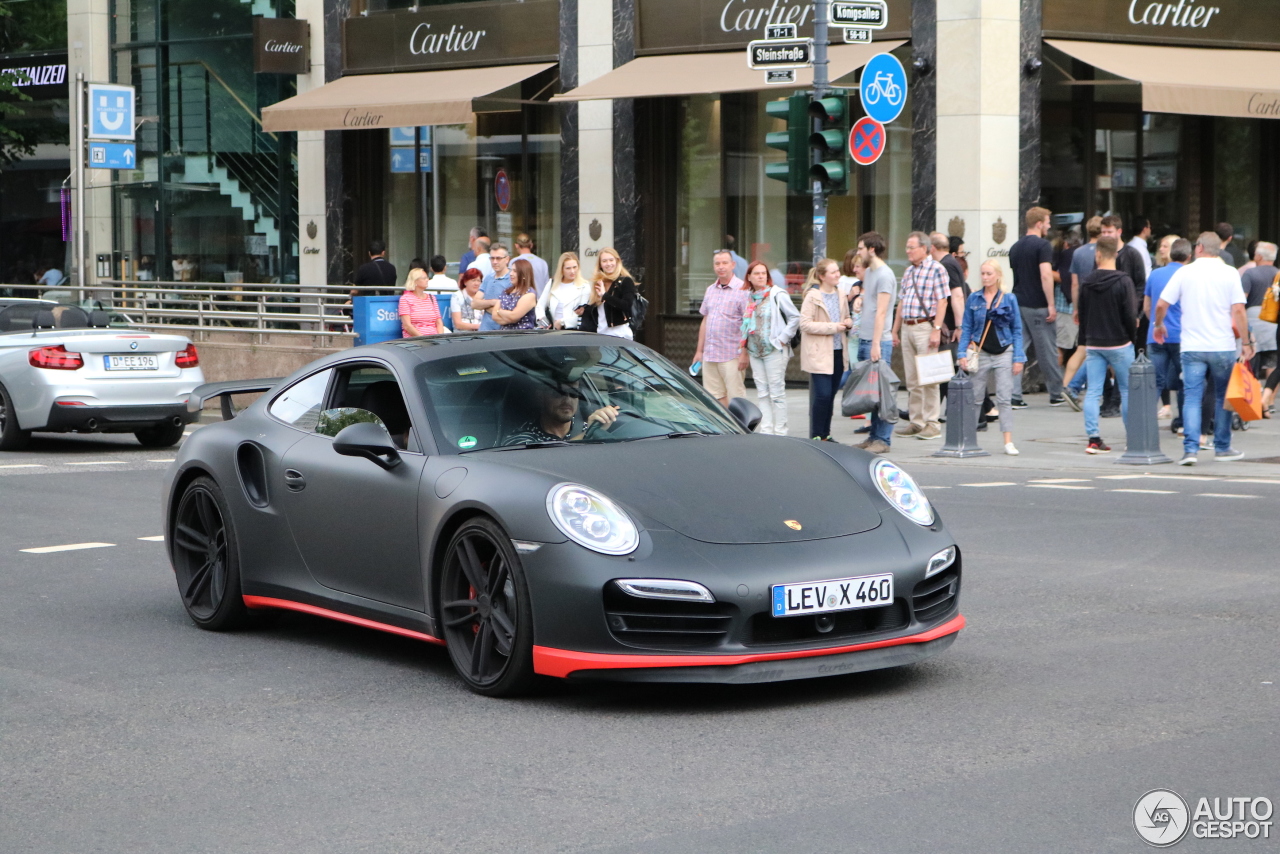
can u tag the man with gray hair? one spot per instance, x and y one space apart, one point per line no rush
1208 290
1256 281
720 353
925 294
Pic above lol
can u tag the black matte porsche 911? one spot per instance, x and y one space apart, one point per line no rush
555 503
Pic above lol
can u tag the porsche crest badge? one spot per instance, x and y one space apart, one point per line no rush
793 524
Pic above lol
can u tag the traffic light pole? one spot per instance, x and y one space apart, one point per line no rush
821 85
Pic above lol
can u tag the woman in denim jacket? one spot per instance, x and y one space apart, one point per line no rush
996 350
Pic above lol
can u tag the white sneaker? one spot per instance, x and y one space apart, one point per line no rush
1011 450
1164 414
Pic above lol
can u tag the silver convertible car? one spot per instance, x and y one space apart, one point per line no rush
65 370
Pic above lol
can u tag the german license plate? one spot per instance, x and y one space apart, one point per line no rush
838 594
132 362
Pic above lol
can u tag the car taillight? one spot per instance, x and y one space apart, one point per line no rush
55 358
188 358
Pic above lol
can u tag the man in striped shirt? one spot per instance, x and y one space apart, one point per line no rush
924 294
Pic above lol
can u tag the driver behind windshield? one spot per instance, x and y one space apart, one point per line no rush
555 415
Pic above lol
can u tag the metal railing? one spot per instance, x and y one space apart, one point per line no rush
200 308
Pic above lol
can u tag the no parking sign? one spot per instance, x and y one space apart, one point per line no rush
867 141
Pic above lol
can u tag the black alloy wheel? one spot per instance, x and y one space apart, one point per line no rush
205 558
11 438
164 434
485 612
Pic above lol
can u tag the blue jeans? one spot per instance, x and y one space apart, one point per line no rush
1168 361
1194 368
1095 365
881 430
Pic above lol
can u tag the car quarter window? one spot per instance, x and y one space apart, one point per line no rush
301 403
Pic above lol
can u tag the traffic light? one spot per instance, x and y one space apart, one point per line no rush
794 141
832 165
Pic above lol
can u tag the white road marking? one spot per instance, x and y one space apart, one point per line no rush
1233 480
22 466
159 539
1057 486
994 483
1223 495
1060 480
101 463
159 461
44 550
1146 491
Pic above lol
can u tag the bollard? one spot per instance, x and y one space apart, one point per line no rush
962 420
1142 428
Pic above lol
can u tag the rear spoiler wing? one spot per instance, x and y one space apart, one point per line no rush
225 391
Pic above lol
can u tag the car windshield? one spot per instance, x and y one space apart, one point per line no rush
553 396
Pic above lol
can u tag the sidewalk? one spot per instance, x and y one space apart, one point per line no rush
1053 438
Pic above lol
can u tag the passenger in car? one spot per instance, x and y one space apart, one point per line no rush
555 417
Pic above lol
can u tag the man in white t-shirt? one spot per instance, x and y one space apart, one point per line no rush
1212 301
482 262
439 283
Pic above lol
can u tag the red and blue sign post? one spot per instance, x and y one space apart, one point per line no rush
867 141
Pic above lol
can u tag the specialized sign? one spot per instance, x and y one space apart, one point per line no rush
854 35
867 141
456 35
867 14
789 53
112 110
883 88
281 46
113 155
39 77
778 76
502 190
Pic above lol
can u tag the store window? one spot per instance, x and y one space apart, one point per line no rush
214 196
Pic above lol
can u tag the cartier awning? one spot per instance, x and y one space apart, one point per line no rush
394 100
1197 81
702 73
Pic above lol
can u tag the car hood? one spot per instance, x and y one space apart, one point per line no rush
718 489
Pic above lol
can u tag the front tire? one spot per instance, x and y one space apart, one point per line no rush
12 438
164 434
206 558
485 611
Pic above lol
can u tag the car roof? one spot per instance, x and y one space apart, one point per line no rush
432 347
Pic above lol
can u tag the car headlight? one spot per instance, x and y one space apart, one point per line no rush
940 561
589 519
901 491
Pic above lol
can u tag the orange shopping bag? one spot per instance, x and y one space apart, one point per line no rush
1244 393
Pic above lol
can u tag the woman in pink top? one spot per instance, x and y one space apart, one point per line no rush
419 312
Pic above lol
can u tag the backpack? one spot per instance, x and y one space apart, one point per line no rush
639 308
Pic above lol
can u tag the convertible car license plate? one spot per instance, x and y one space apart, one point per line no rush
132 362
838 594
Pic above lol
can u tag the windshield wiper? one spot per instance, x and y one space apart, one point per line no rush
520 447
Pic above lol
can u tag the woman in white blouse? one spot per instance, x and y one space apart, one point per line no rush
560 306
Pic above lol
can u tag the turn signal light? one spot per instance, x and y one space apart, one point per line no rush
187 358
55 359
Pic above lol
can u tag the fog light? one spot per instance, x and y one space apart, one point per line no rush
665 588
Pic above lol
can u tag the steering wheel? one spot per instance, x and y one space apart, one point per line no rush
595 428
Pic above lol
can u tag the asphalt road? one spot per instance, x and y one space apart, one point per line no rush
1118 641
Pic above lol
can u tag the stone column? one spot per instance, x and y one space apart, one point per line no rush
568 127
313 231
89 52
978 80
924 114
595 134
335 12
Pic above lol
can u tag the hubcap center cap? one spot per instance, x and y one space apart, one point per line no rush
484 606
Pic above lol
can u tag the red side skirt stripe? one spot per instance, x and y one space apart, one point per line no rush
286 605
561 662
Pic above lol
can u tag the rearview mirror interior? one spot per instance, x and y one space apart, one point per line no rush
369 440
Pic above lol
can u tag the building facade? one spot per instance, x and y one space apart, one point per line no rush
637 124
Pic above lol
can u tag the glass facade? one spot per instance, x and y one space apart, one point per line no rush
1102 154
214 198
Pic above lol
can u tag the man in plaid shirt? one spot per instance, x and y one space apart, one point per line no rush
724 360
923 304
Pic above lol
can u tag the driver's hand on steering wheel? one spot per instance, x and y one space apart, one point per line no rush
604 416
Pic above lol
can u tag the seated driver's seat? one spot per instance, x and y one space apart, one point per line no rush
384 400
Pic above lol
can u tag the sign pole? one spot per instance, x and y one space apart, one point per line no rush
821 84
82 255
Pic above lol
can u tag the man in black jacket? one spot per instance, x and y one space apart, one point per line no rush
1108 319
377 278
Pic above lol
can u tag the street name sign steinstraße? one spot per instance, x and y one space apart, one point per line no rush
792 53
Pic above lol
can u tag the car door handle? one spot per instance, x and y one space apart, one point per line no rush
294 480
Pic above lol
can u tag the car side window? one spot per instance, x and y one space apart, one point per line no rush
301 404
373 390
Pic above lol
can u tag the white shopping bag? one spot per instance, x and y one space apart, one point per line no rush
935 368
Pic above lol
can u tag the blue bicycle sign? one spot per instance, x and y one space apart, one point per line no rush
883 88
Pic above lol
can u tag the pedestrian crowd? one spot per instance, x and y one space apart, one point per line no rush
1080 306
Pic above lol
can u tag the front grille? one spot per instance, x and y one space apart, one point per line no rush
935 596
665 624
764 628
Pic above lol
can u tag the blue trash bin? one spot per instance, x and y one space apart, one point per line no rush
376 319
443 300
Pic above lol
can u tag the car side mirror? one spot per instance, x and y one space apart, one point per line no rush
368 440
746 412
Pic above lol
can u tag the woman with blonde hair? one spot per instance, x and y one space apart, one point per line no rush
824 323
562 300
613 292
419 312
991 342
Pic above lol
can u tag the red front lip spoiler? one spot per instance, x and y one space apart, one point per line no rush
562 662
